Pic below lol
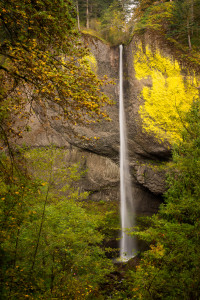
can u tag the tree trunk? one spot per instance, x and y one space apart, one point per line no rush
87 15
189 41
16 246
52 274
78 18
192 14
188 32
42 218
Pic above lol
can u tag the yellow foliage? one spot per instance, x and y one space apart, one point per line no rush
169 97
158 250
91 62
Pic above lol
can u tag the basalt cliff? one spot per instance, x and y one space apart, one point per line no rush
100 156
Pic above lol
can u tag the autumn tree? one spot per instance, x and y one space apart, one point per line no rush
163 119
42 63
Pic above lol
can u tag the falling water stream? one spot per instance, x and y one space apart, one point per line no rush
127 243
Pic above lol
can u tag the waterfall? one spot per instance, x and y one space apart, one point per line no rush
127 243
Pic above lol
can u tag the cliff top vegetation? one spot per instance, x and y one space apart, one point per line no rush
175 22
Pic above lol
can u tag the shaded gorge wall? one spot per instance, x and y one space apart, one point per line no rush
149 71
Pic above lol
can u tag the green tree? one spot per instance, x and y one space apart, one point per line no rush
51 247
170 268
92 10
178 20
113 23
186 22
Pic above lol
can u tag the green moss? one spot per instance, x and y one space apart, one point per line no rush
155 165
94 34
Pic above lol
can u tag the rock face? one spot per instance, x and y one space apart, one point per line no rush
101 156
